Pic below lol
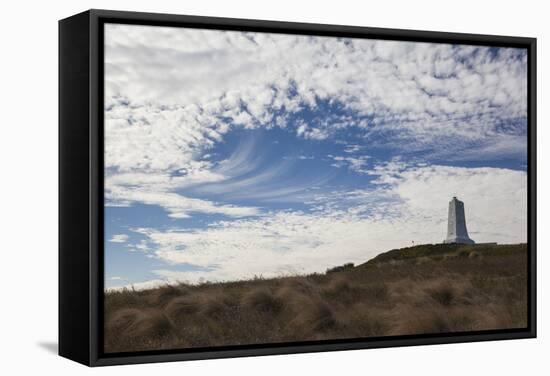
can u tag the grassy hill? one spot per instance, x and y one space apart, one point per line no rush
421 289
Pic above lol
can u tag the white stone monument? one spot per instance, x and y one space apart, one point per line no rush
456 227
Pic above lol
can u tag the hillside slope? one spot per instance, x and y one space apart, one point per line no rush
422 289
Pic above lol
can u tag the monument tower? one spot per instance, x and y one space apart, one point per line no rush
456 227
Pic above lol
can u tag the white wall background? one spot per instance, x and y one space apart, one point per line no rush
28 189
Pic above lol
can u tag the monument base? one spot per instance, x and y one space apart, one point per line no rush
459 241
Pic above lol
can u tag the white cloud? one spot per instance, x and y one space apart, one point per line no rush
160 188
357 164
141 246
409 205
310 133
495 198
352 149
424 96
176 205
426 92
119 238
151 284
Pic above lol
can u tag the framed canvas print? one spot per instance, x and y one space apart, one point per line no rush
238 187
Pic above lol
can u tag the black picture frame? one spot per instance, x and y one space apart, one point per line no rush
81 185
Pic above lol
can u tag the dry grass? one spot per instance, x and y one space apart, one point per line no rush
423 289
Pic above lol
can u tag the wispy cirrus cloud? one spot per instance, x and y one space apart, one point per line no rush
177 206
352 226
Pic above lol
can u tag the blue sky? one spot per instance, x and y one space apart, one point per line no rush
231 155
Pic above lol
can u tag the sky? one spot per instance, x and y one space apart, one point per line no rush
232 155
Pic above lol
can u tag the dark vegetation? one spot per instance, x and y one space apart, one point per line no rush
422 289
